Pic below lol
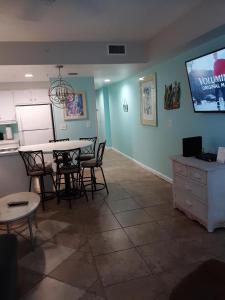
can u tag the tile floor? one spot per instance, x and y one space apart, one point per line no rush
130 244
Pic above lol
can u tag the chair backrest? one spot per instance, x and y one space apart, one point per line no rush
59 140
67 158
89 149
100 153
34 161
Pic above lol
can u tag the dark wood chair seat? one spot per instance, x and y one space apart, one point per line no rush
85 157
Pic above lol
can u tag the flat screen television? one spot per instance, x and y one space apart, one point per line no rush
206 75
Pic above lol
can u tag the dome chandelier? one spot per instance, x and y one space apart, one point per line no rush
59 90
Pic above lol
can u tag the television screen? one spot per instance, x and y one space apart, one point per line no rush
206 76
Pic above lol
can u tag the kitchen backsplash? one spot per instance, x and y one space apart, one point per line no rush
14 128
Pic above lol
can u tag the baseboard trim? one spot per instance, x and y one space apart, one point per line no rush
109 147
155 172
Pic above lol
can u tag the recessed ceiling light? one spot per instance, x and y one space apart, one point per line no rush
28 75
141 78
107 80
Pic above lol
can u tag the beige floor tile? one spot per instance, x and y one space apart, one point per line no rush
138 289
120 266
109 241
27 279
123 205
158 212
133 217
78 270
46 230
52 289
45 258
100 224
70 240
146 233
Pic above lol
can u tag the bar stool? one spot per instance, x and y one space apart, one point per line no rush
88 152
92 165
36 167
60 159
68 167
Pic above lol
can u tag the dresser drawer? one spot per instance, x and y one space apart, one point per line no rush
191 188
198 175
180 169
200 210
192 205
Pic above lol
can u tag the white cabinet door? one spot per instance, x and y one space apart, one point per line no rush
40 96
22 97
7 109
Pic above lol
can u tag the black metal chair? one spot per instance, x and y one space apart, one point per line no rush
36 167
56 141
68 167
92 165
88 152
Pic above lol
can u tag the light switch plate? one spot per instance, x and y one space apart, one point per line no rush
88 124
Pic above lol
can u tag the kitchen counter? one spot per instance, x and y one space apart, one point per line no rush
9 147
9 153
13 177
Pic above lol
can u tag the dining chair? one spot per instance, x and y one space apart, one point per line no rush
57 141
92 165
88 152
69 168
37 167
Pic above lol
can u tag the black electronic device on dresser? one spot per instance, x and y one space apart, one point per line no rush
192 146
1 136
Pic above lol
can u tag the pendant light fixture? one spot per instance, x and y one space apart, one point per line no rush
59 90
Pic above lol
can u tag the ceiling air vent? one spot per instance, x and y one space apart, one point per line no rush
116 49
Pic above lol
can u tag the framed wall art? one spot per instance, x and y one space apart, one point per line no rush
172 96
75 107
148 105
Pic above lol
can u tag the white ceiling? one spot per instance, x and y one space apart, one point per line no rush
98 21
88 20
42 73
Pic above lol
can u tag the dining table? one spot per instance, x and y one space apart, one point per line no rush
48 148
62 145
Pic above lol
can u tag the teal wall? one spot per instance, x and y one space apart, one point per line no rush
100 114
103 116
78 128
153 146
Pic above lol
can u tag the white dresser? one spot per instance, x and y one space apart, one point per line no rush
199 190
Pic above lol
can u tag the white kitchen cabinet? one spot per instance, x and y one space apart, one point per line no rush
29 97
22 97
199 190
40 96
7 109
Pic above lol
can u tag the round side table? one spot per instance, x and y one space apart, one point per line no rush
10 215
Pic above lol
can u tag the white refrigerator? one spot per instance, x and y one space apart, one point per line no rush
35 124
